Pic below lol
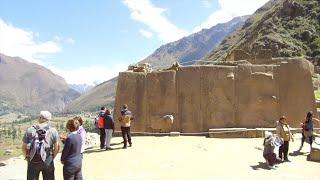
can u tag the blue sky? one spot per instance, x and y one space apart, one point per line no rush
91 41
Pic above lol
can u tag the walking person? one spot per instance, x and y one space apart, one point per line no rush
125 122
284 133
101 127
40 146
109 128
71 154
307 129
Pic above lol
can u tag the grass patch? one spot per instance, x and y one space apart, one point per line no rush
317 94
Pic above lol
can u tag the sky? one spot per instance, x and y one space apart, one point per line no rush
89 42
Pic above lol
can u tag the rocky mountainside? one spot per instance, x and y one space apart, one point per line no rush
28 87
193 47
190 48
101 95
288 27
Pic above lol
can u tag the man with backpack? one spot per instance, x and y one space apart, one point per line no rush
40 146
125 122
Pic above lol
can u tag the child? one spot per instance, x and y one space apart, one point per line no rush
268 151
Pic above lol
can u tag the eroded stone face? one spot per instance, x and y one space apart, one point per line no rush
204 97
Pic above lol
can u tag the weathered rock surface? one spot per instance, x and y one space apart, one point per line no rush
217 96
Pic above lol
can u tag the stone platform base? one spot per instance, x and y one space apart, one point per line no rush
245 132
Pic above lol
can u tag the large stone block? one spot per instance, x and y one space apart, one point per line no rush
189 97
130 91
296 90
217 96
257 96
160 92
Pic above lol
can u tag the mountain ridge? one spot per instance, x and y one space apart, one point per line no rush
30 87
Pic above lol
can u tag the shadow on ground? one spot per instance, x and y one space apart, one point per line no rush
261 165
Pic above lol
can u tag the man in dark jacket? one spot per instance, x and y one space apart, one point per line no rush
109 128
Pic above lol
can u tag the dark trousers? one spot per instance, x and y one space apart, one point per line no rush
283 150
125 131
304 138
102 137
34 170
71 174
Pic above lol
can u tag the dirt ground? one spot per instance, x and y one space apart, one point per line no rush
183 157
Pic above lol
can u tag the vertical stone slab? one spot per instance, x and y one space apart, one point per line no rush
296 90
258 96
188 91
218 96
161 99
131 91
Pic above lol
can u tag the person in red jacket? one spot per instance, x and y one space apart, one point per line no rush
101 127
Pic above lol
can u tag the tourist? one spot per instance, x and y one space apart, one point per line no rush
71 153
268 151
83 135
101 127
109 128
284 133
40 147
307 129
125 122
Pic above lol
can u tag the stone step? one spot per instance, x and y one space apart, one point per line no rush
174 134
315 153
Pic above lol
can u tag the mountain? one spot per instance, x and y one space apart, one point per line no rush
187 49
28 87
101 95
81 88
287 27
193 47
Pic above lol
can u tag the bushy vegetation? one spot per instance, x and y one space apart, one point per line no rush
289 28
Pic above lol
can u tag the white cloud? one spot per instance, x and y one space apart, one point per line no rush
90 74
18 42
206 3
230 9
145 12
145 33
70 41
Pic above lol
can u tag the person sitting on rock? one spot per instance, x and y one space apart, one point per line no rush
268 151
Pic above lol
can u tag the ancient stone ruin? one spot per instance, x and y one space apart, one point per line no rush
223 95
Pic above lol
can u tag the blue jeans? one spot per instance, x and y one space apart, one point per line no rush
34 170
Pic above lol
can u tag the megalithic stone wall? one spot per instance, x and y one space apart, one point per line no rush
204 97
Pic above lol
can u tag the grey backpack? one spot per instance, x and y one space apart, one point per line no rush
39 144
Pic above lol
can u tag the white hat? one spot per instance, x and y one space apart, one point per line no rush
45 114
267 134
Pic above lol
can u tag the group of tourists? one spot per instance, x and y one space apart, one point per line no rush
282 138
41 143
106 127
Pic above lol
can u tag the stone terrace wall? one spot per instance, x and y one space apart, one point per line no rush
204 97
